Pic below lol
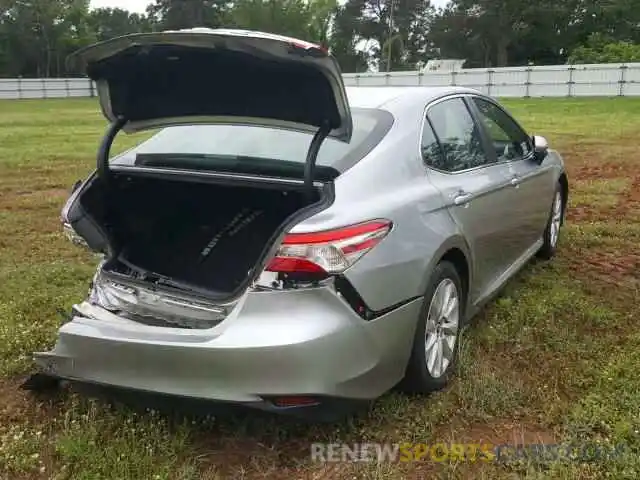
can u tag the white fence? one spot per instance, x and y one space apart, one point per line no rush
548 81
17 88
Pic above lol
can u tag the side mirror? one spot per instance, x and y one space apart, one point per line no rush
540 148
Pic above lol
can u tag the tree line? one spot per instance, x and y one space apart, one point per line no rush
37 35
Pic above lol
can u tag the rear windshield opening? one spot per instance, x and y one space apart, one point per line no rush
239 147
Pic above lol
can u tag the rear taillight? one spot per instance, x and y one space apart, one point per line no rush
330 251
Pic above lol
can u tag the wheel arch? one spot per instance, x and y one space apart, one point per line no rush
457 252
458 259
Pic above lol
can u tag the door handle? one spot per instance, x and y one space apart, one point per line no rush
515 181
462 198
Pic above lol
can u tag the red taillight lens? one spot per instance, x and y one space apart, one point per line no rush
329 251
280 264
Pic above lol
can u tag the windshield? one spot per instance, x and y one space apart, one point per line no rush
369 126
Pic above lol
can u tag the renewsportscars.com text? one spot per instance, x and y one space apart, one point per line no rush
451 452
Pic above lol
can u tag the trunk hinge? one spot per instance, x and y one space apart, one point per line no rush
312 155
105 147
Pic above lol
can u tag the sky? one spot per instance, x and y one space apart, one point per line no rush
140 5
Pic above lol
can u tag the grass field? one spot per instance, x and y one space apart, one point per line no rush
554 359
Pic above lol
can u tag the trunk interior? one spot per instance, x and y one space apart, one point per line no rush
206 235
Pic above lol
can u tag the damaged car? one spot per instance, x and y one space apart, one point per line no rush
283 242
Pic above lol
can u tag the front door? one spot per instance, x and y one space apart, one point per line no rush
533 183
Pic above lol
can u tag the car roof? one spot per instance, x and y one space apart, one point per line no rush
377 97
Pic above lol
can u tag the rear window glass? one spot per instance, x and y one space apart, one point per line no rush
369 127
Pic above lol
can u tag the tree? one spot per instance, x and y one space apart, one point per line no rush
39 34
505 32
394 32
600 49
322 14
547 37
454 34
108 23
493 26
345 37
307 19
618 20
178 14
397 27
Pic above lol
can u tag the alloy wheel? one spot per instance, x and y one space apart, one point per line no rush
442 327
556 220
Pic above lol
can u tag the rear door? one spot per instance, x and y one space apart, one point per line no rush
533 183
475 187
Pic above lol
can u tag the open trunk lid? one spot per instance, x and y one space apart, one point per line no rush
202 75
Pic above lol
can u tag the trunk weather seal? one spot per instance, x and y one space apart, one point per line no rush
105 147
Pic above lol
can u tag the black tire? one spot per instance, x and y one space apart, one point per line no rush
549 247
418 379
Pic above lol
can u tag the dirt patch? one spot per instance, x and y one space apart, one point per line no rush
29 218
499 432
232 454
629 202
581 213
604 157
20 406
606 266
13 401
46 192
225 455
602 161
598 172
598 199
33 199
22 411
615 264
255 460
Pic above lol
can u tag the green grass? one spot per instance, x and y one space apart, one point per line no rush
583 121
598 193
553 359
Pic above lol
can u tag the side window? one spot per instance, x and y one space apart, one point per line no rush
508 139
458 135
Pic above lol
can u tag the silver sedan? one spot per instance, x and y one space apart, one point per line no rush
283 242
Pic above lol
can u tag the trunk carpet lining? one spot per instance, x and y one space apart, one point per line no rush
206 235
201 249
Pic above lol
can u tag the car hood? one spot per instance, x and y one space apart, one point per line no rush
201 75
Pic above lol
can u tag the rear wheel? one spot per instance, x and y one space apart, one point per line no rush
552 231
435 346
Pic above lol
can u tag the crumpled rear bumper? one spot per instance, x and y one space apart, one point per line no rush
304 342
